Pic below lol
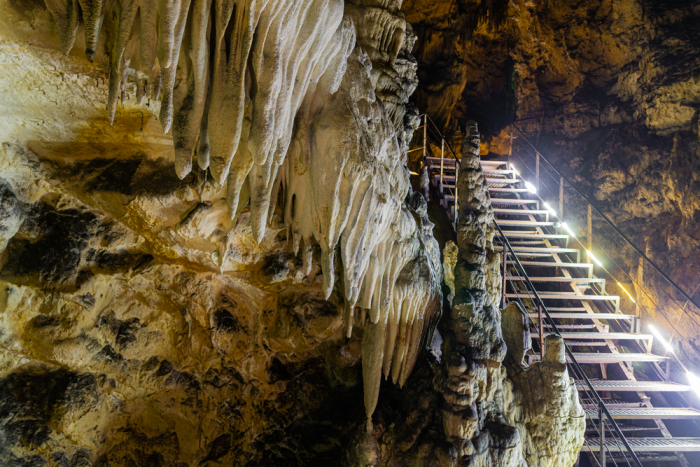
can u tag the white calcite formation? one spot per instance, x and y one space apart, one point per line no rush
300 101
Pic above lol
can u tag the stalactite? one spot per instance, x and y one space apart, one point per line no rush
65 12
274 96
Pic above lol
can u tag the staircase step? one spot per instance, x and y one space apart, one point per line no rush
602 335
558 265
565 296
586 316
617 357
568 280
436 161
645 445
525 223
493 163
492 171
524 234
535 249
503 181
521 212
649 413
634 386
508 190
513 201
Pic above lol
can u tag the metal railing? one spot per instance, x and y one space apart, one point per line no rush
431 131
605 420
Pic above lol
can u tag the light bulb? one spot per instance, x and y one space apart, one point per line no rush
693 382
666 345
628 294
595 260
549 208
568 230
530 187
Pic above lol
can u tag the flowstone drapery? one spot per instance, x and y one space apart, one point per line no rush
276 101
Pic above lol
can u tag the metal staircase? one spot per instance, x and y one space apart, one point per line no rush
543 269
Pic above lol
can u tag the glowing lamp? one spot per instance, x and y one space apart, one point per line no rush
666 345
568 230
595 260
549 208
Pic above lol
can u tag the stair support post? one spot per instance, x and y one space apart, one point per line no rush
561 198
601 422
541 326
455 206
505 259
442 162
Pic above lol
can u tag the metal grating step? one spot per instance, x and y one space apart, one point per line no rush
521 212
504 172
526 223
646 445
524 234
536 249
508 190
634 386
617 357
603 335
566 296
436 161
557 265
492 163
649 413
502 181
588 316
568 280
513 201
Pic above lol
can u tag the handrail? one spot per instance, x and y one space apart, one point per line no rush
605 218
601 404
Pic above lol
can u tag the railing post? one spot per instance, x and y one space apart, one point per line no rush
541 326
510 147
537 171
640 278
590 229
455 205
425 135
505 260
601 422
561 198
442 161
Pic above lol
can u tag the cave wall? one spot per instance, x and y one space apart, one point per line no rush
609 92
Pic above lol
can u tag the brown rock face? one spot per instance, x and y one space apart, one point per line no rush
609 92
